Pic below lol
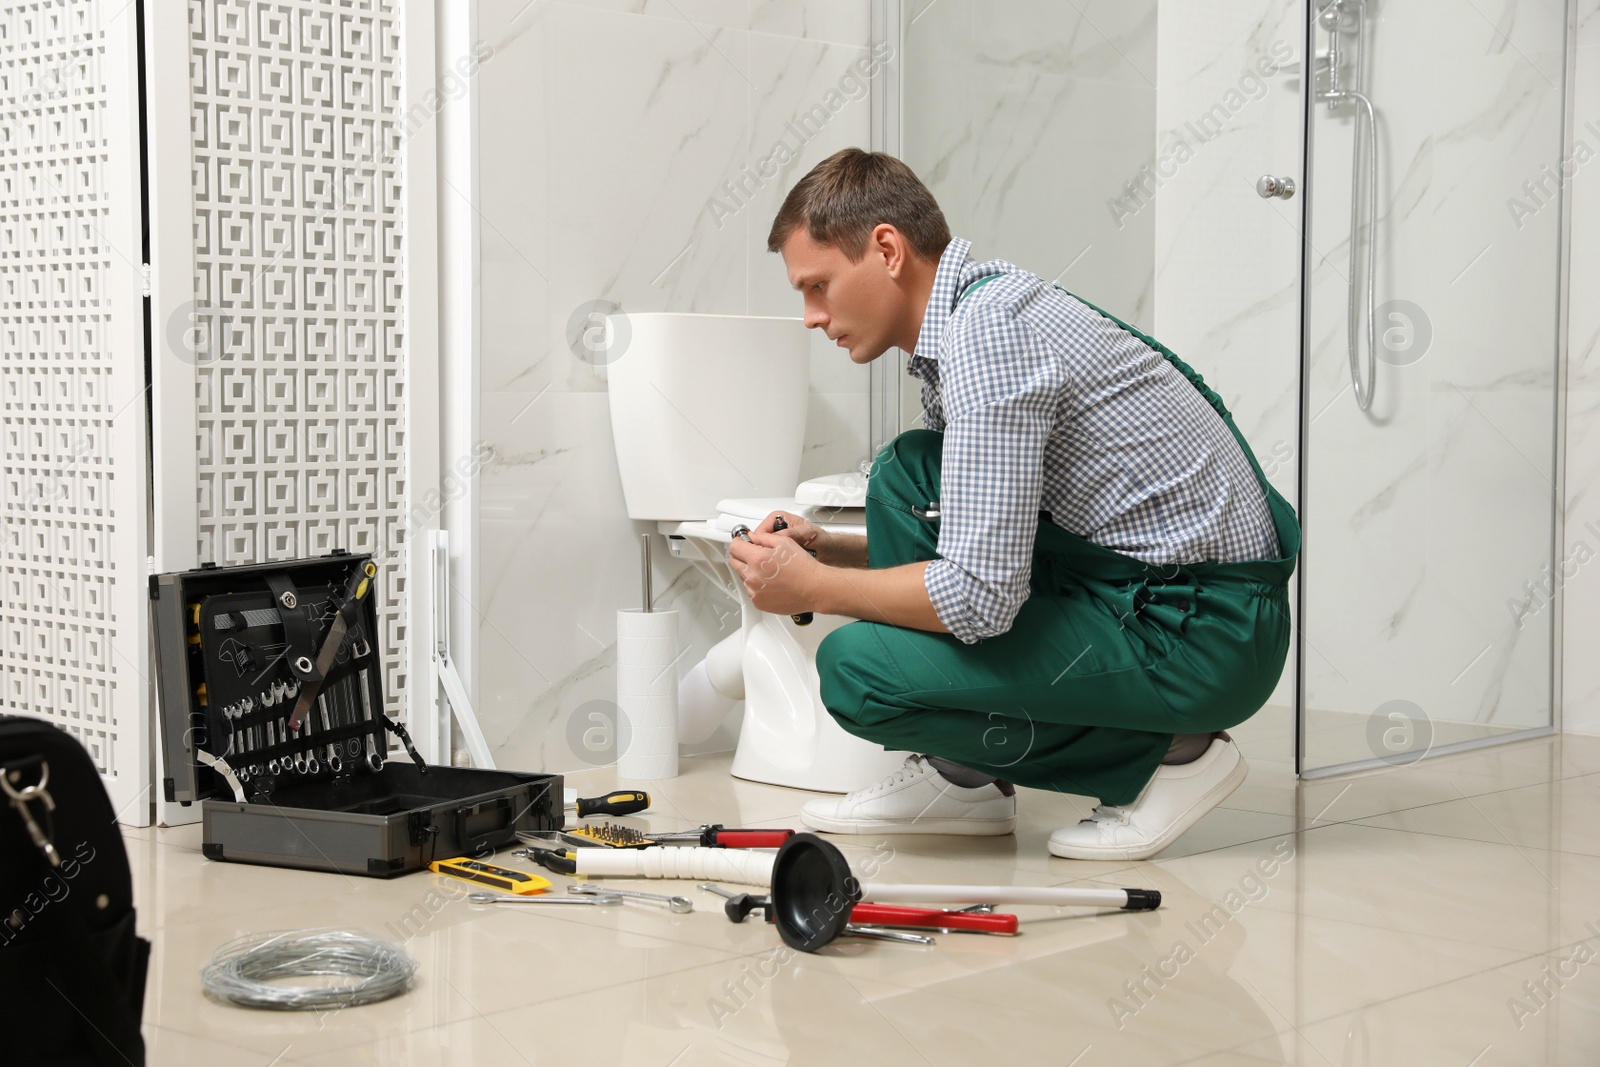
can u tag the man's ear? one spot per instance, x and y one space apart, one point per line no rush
890 243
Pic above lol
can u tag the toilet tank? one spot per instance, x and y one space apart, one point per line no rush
705 407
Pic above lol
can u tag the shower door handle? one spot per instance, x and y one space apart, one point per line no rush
1268 186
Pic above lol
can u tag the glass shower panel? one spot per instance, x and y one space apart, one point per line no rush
1431 372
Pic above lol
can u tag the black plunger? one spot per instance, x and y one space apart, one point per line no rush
813 892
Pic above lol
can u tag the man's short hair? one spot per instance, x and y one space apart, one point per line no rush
846 195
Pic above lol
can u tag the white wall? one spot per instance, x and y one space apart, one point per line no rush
1581 620
607 128
1025 118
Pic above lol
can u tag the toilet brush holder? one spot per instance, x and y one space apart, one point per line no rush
647 694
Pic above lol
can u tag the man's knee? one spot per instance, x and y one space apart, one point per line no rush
914 450
846 661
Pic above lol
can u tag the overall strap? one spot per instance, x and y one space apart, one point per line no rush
1172 357
1283 514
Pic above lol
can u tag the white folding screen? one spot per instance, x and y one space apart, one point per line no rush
294 297
72 385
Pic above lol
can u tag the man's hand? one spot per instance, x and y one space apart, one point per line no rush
782 579
779 574
803 532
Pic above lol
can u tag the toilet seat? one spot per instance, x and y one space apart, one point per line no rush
751 510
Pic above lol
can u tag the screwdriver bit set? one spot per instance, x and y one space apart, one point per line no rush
273 717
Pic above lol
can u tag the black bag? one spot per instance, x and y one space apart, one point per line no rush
72 969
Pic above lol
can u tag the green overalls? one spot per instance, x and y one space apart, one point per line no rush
1106 660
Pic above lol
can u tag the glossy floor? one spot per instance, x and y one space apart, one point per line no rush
1446 913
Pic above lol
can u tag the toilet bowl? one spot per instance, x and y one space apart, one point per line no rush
708 416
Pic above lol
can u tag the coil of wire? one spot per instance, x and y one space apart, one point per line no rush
252 970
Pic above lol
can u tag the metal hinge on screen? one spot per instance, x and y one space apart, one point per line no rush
144 279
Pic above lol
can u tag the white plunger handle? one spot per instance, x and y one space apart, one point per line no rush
742 866
885 893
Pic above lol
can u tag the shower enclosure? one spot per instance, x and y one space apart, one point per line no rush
1429 474
1360 249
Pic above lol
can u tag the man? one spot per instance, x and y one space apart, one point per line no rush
1074 578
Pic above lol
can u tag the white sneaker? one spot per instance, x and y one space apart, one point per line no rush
1173 801
916 799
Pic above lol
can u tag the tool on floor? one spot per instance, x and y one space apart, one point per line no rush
878 933
622 802
615 835
504 878
584 837
741 866
814 895
607 835
715 835
675 904
738 906
805 617
943 921
609 900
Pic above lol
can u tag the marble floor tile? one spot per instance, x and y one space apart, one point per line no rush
1394 917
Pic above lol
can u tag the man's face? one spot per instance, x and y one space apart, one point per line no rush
856 304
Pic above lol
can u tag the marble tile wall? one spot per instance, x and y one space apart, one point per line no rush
1581 588
1026 118
607 129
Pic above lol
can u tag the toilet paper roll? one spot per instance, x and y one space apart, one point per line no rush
647 694
646 679
639 769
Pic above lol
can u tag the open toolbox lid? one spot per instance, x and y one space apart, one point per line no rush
243 651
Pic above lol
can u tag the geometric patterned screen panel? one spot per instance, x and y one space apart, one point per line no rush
298 329
72 464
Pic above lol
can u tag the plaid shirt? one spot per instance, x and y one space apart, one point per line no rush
1047 405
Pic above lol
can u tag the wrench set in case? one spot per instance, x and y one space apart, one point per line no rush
270 687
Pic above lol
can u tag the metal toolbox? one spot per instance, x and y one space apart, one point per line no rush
270 688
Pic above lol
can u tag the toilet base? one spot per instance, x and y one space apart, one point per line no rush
787 737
